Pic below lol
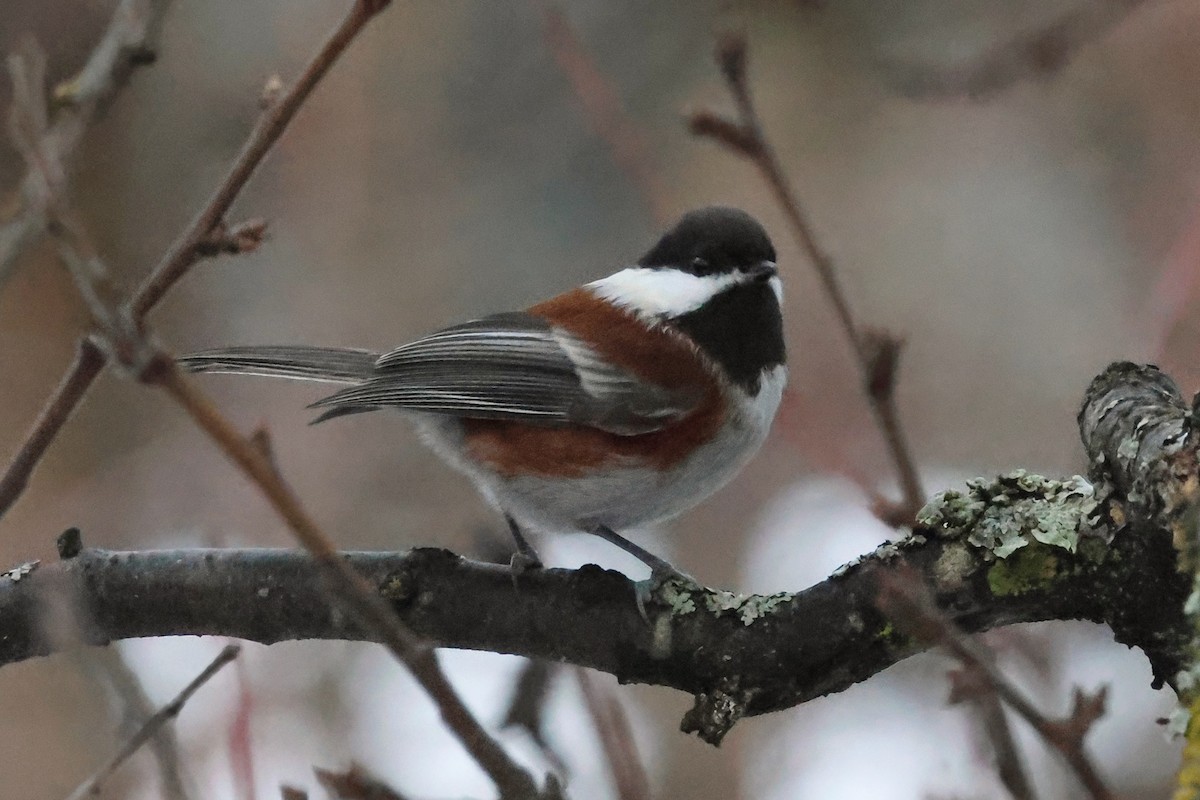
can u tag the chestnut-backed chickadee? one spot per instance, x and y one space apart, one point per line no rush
614 405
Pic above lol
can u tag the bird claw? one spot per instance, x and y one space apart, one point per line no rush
522 563
651 590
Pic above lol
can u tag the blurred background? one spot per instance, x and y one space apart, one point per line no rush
1022 211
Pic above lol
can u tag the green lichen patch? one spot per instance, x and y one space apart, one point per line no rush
1030 569
893 637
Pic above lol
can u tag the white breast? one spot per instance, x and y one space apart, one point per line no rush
622 498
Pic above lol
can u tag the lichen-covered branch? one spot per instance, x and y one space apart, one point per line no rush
1017 548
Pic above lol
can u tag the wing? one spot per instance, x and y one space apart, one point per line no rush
513 366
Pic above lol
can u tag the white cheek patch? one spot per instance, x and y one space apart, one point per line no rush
661 292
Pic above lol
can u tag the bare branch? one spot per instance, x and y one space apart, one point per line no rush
527 707
877 353
205 234
92 785
968 685
89 361
128 41
356 783
616 737
1018 548
109 667
358 597
604 111
906 600
1037 55
186 249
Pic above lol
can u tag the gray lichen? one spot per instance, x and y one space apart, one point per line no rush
683 599
1007 513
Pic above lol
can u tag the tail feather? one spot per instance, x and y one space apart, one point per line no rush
323 364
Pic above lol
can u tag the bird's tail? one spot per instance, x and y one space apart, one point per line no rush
324 364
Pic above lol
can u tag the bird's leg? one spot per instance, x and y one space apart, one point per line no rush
526 558
661 571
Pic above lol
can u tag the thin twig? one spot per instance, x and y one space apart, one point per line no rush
527 707
241 751
1039 54
968 685
605 113
356 783
367 607
203 237
89 361
877 352
904 598
616 737
108 666
128 41
187 248
92 785
138 355
129 344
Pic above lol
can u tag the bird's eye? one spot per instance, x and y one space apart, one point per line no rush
699 263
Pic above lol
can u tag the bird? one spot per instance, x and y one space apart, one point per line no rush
615 405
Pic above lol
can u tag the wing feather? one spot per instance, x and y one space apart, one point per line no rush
513 366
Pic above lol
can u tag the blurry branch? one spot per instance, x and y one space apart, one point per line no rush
1018 548
123 337
616 737
1174 289
527 707
207 235
89 361
108 666
355 594
240 746
1036 55
92 785
877 351
968 685
356 783
605 113
130 40
907 602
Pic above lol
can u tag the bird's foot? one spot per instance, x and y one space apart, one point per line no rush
666 587
525 558
522 563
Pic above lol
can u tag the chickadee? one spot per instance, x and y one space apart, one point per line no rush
617 404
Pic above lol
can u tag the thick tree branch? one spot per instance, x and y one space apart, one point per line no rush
989 553
1019 548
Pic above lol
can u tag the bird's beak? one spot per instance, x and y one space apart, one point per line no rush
763 271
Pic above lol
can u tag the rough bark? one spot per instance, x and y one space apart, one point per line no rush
1018 548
